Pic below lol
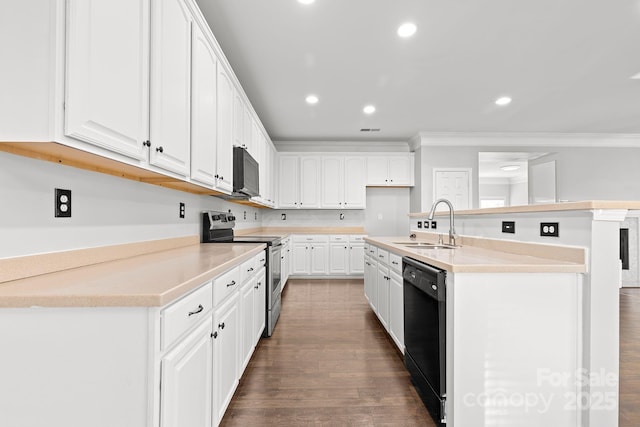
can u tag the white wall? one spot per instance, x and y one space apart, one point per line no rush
313 218
519 193
387 212
106 210
495 188
598 173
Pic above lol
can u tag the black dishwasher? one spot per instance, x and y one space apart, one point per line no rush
425 333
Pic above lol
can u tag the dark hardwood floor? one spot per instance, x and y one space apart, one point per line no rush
630 357
329 362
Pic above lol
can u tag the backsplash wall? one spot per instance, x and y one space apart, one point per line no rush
313 218
106 210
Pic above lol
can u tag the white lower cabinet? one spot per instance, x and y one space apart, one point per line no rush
225 353
338 258
247 295
327 255
259 305
187 381
383 288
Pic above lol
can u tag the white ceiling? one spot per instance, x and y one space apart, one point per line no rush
567 64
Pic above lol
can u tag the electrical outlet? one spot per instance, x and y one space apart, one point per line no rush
341 216
419 224
245 215
509 227
181 210
255 216
426 224
550 229
434 224
62 203
283 216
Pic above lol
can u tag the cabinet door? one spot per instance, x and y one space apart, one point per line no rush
300 260
377 171
382 283
332 183
203 109
288 196
271 180
309 182
396 310
226 355
373 284
186 392
264 169
259 305
399 170
247 324
170 86
238 120
355 194
319 258
286 265
338 258
224 148
356 258
107 75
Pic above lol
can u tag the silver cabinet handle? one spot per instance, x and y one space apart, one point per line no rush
233 282
198 310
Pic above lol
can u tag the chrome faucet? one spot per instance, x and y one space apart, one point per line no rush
452 229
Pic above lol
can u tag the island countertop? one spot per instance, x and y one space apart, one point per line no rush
149 280
496 256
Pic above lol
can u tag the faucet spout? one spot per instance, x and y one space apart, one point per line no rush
452 228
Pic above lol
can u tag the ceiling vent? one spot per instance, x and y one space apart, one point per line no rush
369 130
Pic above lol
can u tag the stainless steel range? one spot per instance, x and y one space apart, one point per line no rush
217 227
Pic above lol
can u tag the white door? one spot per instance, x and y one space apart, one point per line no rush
399 170
107 75
170 86
288 196
453 185
186 393
309 182
224 148
382 284
203 109
338 258
226 357
238 120
247 325
319 258
377 171
373 284
396 310
355 194
356 258
300 260
332 183
259 304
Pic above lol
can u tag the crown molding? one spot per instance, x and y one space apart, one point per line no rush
585 140
342 146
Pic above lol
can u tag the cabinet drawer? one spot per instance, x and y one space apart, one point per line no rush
339 238
225 284
395 262
180 316
373 252
356 238
311 238
248 269
383 256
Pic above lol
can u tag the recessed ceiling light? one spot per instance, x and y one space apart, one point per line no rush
306 1
312 99
369 109
503 100
636 76
509 168
407 29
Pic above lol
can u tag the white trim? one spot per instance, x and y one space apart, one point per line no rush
470 183
342 146
428 139
616 215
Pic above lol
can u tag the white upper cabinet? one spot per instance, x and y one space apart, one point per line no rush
238 121
299 182
355 195
333 177
309 182
203 109
171 86
393 170
107 74
224 157
289 184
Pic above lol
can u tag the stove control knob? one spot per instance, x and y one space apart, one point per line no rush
231 218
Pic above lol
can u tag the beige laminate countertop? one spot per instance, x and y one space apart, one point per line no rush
287 231
469 259
586 205
150 280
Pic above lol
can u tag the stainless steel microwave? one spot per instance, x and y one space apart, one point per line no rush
246 176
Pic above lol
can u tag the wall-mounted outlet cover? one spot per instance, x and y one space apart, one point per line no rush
341 216
62 203
283 216
509 227
426 224
181 210
549 229
434 224
419 224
